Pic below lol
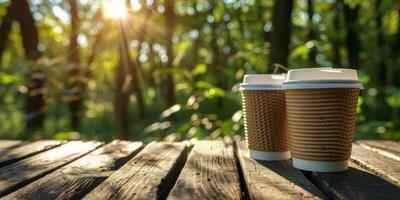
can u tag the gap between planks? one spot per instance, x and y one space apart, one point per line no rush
273 179
76 179
23 172
371 175
149 175
25 149
210 173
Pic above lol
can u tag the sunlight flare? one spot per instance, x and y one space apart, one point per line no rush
115 9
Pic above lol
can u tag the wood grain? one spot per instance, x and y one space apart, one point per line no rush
149 175
20 173
210 173
5 144
355 183
389 146
274 179
76 179
388 168
22 151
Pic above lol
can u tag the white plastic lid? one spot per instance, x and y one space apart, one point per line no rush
322 78
262 82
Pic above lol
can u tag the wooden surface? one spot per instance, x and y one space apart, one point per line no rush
388 146
203 170
274 180
82 175
5 144
24 171
150 175
356 183
378 163
210 173
22 150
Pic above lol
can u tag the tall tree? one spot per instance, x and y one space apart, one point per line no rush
384 110
280 36
74 85
170 28
396 51
95 46
35 105
335 38
136 65
123 84
5 27
352 38
216 65
312 35
381 68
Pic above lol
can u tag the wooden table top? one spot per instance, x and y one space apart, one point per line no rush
221 169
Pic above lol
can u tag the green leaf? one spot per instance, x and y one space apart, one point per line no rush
393 98
299 51
7 79
67 135
199 69
203 85
214 92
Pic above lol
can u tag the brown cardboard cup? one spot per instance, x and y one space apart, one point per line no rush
321 122
264 111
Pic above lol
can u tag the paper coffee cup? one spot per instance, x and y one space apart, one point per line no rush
321 112
264 109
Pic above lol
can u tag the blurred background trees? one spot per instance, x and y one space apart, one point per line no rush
170 69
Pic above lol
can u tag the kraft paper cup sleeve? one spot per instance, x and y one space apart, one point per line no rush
265 120
321 123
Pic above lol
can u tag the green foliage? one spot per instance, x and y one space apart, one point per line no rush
215 43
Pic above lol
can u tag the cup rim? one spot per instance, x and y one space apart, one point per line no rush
320 84
248 86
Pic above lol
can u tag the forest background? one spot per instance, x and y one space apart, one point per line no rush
170 69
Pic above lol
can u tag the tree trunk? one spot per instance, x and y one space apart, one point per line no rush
95 48
396 52
35 105
170 27
352 39
280 36
5 27
381 67
152 56
141 33
397 43
381 70
121 101
336 38
74 85
197 41
312 35
123 83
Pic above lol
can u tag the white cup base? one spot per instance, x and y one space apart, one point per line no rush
263 155
320 166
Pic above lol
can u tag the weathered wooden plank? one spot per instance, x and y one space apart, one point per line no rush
355 183
5 144
76 179
274 180
210 173
388 146
149 175
20 152
388 168
25 171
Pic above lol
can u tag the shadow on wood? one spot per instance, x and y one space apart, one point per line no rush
355 183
